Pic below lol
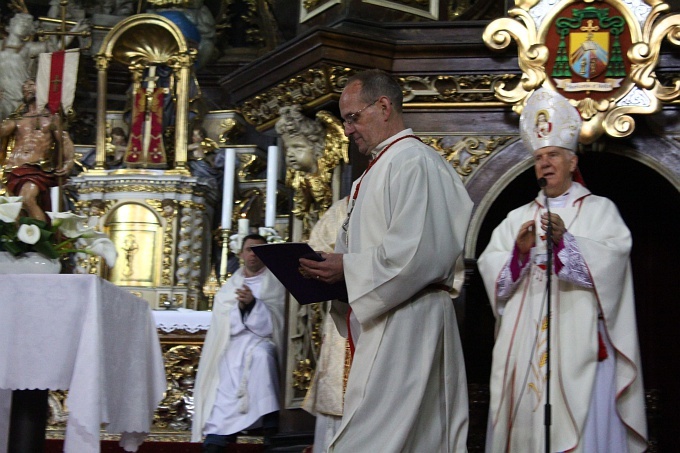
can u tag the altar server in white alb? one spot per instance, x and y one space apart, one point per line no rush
406 223
596 391
237 385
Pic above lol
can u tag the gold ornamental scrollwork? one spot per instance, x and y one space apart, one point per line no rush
302 375
599 54
176 409
313 86
230 130
447 89
166 208
183 59
466 153
306 88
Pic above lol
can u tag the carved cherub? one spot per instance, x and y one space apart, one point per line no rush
314 147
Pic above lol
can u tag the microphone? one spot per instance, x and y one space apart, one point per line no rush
547 408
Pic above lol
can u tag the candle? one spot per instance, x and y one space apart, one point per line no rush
54 196
272 173
228 188
243 225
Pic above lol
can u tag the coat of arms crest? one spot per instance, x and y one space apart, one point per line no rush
590 57
599 54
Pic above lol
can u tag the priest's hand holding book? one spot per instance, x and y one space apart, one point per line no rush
309 276
330 270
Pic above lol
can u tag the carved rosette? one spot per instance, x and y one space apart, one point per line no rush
599 55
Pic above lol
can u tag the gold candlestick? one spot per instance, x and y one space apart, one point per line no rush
225 256
210 288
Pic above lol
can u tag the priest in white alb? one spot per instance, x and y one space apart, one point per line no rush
405 228
595 390
237 384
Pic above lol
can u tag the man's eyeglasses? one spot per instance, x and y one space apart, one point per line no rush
352 118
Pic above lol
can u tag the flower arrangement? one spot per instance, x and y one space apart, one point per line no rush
68 233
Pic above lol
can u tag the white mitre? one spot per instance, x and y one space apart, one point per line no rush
548 119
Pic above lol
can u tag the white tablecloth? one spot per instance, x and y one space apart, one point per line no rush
85 335
191 321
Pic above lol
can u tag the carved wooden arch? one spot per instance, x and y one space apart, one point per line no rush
138 42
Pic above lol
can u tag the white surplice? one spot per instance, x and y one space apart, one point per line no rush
407 389
518 385
237 379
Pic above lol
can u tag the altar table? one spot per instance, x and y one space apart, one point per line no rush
85 335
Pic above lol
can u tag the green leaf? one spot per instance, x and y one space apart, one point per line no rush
45 248
13 248
31 221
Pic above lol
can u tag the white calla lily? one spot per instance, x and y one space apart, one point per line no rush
30 234
71 225
104 247
5 199
93 221
78 234
9 210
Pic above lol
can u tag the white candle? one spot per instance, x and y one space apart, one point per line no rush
272 173
228 188
243 226
54 197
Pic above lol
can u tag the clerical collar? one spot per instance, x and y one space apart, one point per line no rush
560 201
386 143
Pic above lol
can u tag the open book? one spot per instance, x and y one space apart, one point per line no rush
282 259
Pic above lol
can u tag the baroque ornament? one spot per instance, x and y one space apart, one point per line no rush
599 54
465 153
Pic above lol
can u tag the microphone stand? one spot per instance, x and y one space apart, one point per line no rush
547 413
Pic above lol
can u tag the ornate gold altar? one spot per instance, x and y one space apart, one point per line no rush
155 211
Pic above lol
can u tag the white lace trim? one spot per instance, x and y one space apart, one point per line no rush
191 328
505 286
574 269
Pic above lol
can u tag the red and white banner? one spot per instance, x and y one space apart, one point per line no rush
56 79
